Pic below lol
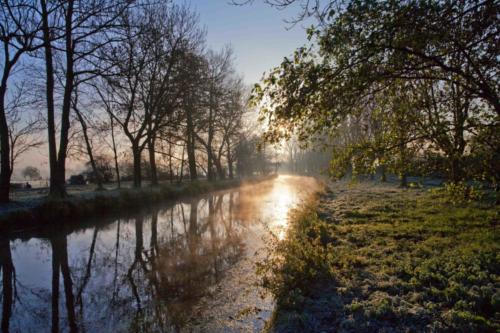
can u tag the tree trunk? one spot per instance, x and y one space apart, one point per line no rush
152 162
5 169
210 164
58 189
181 173
193 174
456 172
170 165
115 153
210 154
230 162
137 166
190 146
49 71
220 170
383 177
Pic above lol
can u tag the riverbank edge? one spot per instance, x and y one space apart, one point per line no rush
76 207
310 292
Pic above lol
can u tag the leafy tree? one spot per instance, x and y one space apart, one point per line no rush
32 173
363 42
426 70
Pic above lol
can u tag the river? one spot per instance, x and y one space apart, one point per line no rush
182 267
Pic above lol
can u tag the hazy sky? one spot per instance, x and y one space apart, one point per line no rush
257 32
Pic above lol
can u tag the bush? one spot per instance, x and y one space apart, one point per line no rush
459 193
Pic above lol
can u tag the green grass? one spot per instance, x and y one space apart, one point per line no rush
383 259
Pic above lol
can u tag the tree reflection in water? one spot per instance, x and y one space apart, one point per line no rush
160 270
7 268
140 274
60 266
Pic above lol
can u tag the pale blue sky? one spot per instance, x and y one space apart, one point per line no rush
257 32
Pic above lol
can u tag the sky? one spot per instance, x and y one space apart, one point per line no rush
257 32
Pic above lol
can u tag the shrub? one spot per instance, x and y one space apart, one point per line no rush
459 193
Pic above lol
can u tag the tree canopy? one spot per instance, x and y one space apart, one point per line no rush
425 69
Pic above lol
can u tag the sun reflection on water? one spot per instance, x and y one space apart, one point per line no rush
287 192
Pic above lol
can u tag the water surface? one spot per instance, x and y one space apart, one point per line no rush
186 267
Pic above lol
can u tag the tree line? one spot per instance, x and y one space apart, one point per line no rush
119 83
409 87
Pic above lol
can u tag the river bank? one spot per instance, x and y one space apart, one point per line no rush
30 213
377 258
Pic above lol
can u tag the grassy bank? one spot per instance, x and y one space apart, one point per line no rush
371 258
107 202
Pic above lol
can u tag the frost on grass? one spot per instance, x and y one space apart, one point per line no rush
367 258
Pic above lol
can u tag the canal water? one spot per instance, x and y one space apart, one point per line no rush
186 267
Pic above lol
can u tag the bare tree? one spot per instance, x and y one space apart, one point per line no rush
74 30
18 28
219 67
88 144
230 122
191 100
24 131
173 34
105 102
143 88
